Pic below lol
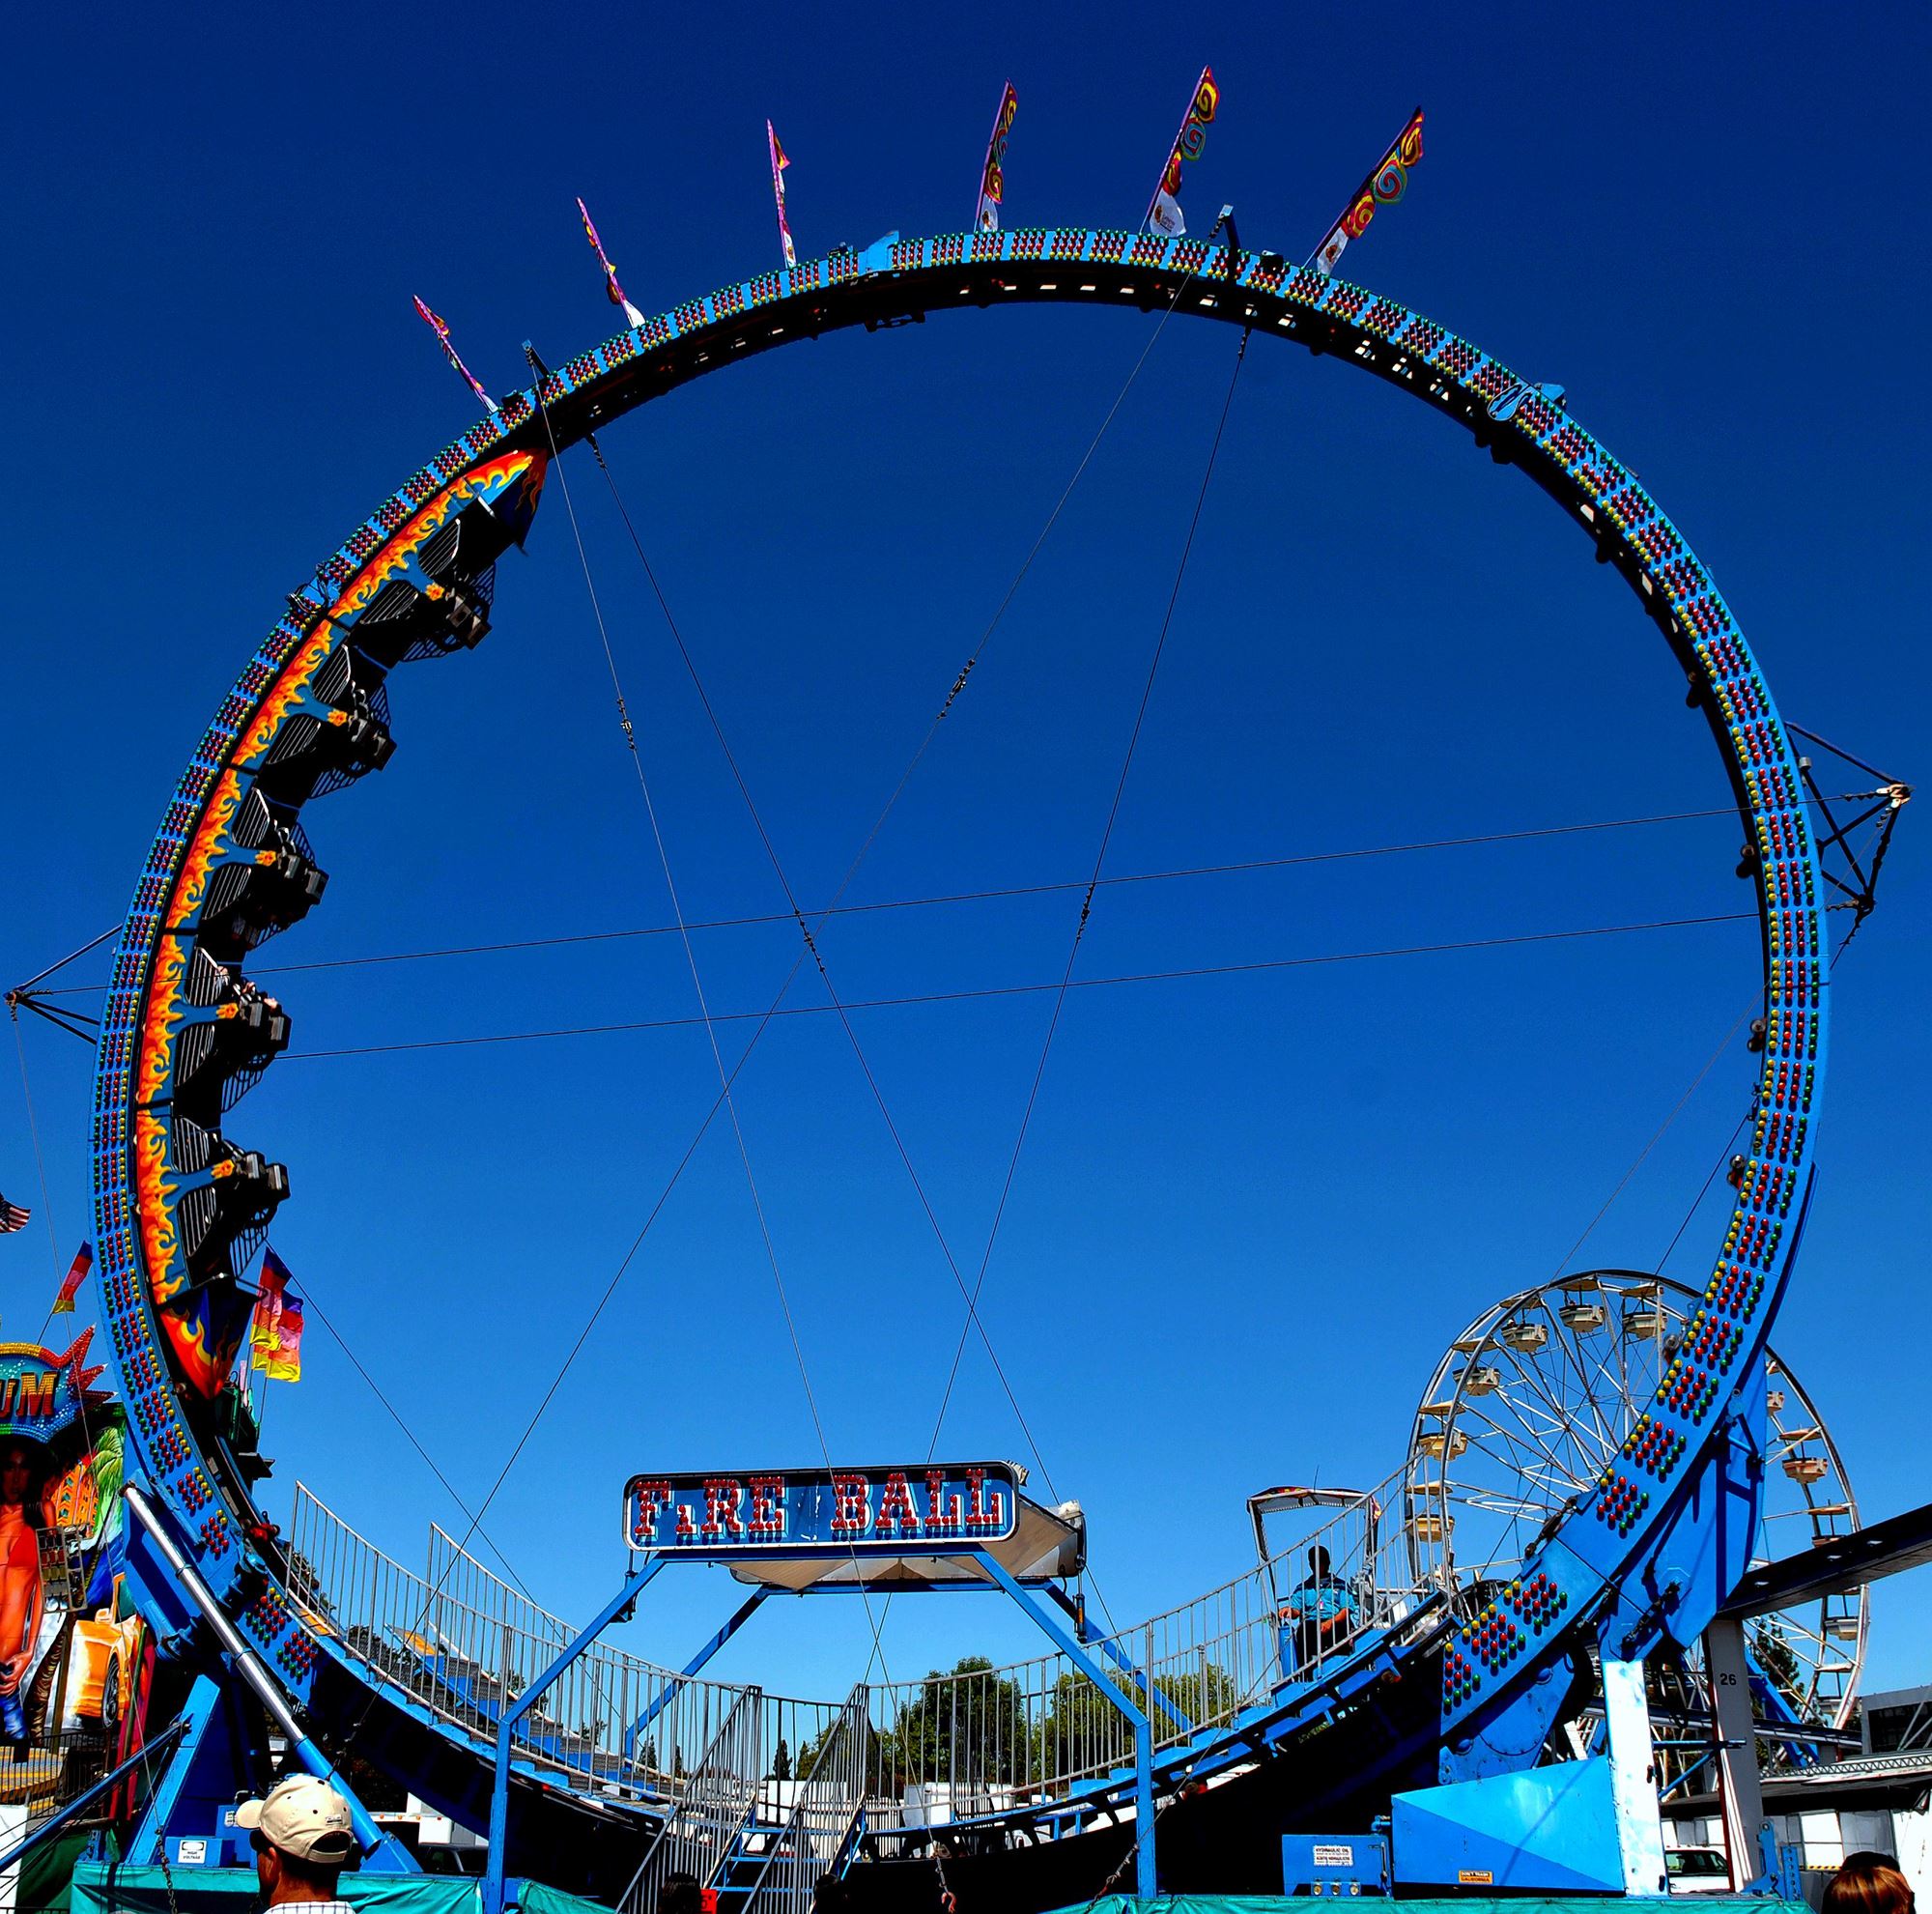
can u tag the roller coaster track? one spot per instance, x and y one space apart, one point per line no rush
179 1207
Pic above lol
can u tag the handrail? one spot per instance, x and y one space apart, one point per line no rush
461 1643
725 1786
54 1823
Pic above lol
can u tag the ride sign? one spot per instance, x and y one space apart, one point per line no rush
927 1509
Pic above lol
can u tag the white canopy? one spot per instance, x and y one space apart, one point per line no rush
1046 1544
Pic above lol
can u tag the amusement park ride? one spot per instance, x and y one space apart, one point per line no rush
1443 1678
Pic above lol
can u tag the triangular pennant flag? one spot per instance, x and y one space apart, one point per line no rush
778 163
1383 187
441 329
70 1283
1164 212
614 292
993 174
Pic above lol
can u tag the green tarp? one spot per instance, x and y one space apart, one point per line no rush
101 1888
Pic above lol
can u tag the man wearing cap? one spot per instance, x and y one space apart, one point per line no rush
303 1837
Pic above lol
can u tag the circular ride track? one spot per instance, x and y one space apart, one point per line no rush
181 1207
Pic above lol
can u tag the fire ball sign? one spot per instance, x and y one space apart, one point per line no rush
930 1509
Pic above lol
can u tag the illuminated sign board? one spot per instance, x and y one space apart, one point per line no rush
923 1508
41 1394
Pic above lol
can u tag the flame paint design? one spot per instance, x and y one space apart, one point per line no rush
203 1356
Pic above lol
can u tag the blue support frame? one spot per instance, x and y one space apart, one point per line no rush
1113 1651
745 1612
499 1786
81 1803
171 1331
1146 1875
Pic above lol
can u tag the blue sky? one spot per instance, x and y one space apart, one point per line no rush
1252 1209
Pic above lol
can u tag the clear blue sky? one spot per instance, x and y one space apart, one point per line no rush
1252 1209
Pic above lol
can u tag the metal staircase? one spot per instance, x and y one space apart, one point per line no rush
816 1837
709 1821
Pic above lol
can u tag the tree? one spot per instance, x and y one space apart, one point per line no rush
781 1761
1084 1731
968 1727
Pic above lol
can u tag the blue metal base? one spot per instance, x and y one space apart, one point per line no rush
1552 1830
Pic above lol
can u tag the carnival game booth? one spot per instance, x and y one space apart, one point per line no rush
75 1655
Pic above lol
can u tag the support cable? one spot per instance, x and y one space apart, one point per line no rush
1189 973
725 1076
823 912
409 1435
812 946
1026 565
684 934
1092 885
1657 1136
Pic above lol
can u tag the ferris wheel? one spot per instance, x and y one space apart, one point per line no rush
1539 1395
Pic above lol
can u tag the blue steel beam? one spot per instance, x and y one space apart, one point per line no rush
499 1789
746 1610
1145 1877
1108 1646
81 1803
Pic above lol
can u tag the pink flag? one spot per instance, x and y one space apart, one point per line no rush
614 292
778 163
441 331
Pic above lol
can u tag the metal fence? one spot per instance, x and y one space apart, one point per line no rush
973 1741
814 1836
714 1809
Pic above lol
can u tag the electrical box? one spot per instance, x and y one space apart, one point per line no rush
1335 1865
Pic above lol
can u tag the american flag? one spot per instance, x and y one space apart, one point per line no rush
13 1218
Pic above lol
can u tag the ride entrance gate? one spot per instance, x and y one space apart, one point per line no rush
906 1528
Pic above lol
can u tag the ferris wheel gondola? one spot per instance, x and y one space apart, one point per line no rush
1538 1397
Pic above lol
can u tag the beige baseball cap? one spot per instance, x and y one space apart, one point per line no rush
306 1819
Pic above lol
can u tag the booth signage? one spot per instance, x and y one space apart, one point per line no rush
41 1394
930 1509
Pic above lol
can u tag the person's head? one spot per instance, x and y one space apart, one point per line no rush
18 1468
1868 1884
1318 1560
303 1837
680 1895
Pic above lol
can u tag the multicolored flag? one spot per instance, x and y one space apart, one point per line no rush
1164 212
276 1333
441 329
993 175
1383 187
614 292
13 1218
70 1283
778 163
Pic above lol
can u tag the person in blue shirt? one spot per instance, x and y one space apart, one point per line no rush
1322 1610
